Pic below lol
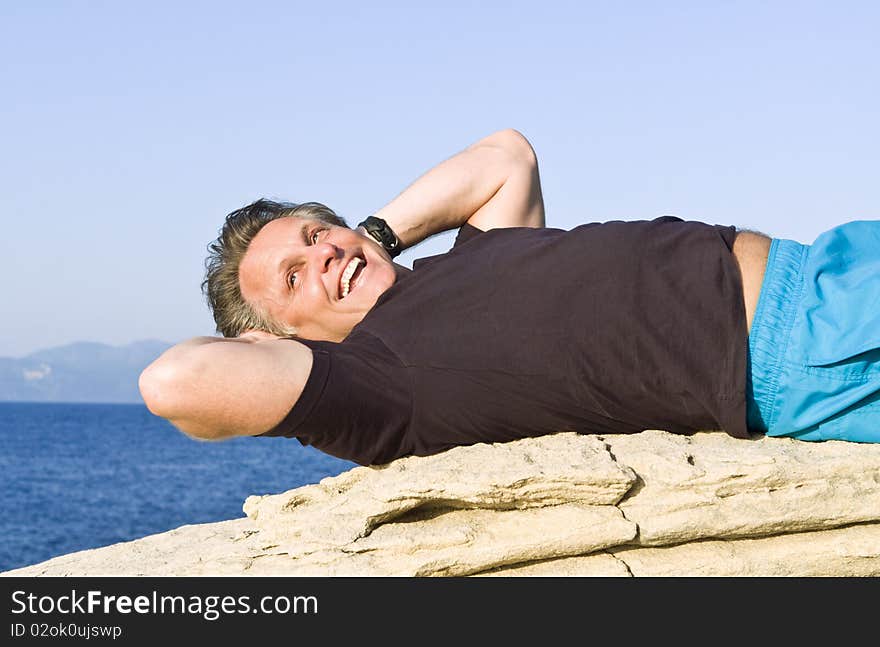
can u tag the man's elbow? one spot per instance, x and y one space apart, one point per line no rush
516 144
164 391
157 389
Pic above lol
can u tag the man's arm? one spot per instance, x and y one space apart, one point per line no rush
491 184
213 388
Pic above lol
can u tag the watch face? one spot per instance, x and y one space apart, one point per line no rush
382 234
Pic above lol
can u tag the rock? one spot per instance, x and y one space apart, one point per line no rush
848 551
648 504
712 485
535 473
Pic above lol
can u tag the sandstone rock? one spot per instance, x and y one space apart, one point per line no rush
593 565
530 473
712 485
841 552
648 504
463 542
851 551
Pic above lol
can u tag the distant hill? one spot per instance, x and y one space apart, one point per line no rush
78 372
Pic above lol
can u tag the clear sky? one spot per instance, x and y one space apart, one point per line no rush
130 129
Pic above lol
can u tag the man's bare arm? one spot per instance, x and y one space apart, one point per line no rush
213 388
492 183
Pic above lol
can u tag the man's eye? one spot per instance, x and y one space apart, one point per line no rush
314 237
291 279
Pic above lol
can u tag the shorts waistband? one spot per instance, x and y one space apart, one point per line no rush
781 292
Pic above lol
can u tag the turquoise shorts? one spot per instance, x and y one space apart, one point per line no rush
814 347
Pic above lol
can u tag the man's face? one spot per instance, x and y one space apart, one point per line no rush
319 278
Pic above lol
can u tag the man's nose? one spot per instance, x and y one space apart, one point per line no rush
323 254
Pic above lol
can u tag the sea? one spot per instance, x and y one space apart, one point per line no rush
77 476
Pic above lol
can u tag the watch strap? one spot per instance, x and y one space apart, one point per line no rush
379 231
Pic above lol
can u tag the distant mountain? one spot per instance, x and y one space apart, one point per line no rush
79 372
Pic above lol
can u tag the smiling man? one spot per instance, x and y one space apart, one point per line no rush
316 277
519 330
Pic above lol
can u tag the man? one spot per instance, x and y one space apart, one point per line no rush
519 330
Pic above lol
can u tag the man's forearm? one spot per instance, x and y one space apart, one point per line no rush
451 193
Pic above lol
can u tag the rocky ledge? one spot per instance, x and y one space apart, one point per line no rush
648 504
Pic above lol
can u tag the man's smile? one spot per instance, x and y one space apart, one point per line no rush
350 276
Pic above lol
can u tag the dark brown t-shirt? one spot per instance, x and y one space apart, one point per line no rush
612 327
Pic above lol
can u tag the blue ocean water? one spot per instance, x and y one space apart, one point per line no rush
77 476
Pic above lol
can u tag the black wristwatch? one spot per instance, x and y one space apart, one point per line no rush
379 231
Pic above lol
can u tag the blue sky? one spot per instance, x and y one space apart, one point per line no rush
130 129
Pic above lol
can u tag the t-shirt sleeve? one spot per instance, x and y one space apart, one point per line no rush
356 403
465 233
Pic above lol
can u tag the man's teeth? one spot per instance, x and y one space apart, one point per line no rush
345 281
